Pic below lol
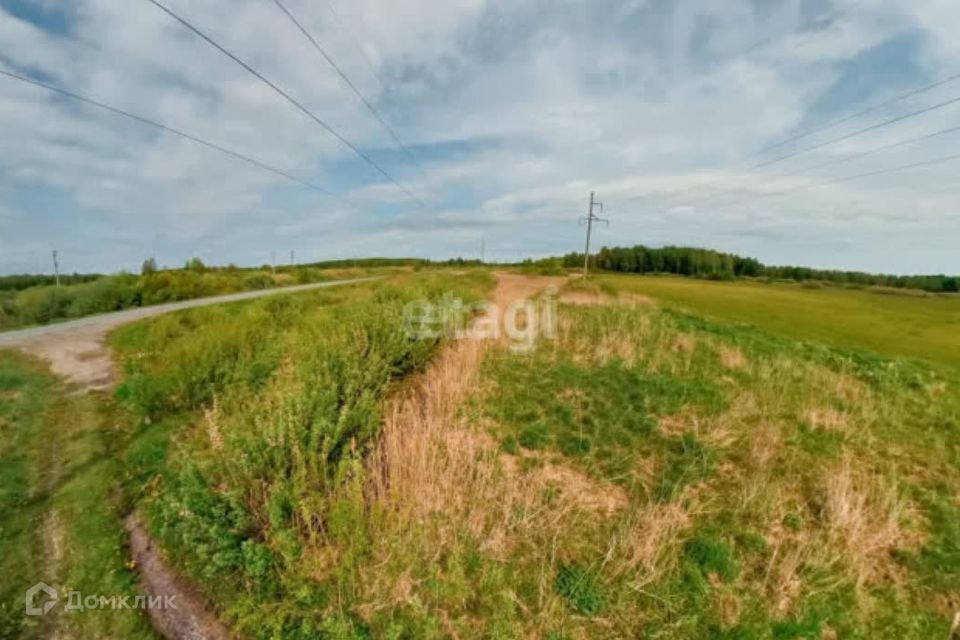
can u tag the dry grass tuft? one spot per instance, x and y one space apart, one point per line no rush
647 544
211 418
862 520
732 358
579 489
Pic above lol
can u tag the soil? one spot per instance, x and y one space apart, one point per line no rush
190 618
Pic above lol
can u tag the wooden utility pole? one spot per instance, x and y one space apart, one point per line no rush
590 219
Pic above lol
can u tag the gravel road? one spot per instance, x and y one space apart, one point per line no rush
75 348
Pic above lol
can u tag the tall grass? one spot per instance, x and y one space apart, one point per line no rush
648 474
280 401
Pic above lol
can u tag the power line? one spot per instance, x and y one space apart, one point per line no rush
868 174
176 132
346 79
858 132
853 116
352 33
363 156
838 139
842 160
817 23
875 150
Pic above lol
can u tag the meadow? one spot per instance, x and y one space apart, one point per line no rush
893 322
685 459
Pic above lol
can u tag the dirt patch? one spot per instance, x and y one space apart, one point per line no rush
514 286
189 618
77 356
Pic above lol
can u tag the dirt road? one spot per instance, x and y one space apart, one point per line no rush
76 351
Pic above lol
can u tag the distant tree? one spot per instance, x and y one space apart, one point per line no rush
149 266
195 264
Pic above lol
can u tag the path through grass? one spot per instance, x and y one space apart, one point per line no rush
61 504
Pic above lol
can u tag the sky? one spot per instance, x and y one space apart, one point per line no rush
510 112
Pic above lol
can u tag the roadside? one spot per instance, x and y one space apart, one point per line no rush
62 477
60 518
75 349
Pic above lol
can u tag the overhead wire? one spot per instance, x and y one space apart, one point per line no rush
353 87
859 114
286 96
159 125
832 181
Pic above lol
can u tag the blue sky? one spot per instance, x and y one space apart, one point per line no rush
515 110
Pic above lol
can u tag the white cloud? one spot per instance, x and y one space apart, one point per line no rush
519 110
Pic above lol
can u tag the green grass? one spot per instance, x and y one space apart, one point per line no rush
765 455
58 477
268 409
653 472
894 324
26 394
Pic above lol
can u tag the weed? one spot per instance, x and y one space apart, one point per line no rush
581 589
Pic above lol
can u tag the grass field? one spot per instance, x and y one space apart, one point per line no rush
897 324
716 465
655 474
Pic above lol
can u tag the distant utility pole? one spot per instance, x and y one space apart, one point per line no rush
273 261
590 219
483 249
56 267
292 258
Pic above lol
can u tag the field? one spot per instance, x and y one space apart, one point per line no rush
680 459
911 325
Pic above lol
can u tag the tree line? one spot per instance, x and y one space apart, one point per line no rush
716 265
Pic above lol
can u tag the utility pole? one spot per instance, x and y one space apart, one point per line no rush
590 219
273 261
292 258
483 249
56 267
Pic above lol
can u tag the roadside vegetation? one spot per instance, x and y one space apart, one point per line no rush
27 300
274 407
83 296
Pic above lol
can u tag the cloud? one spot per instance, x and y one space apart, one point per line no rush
516 110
